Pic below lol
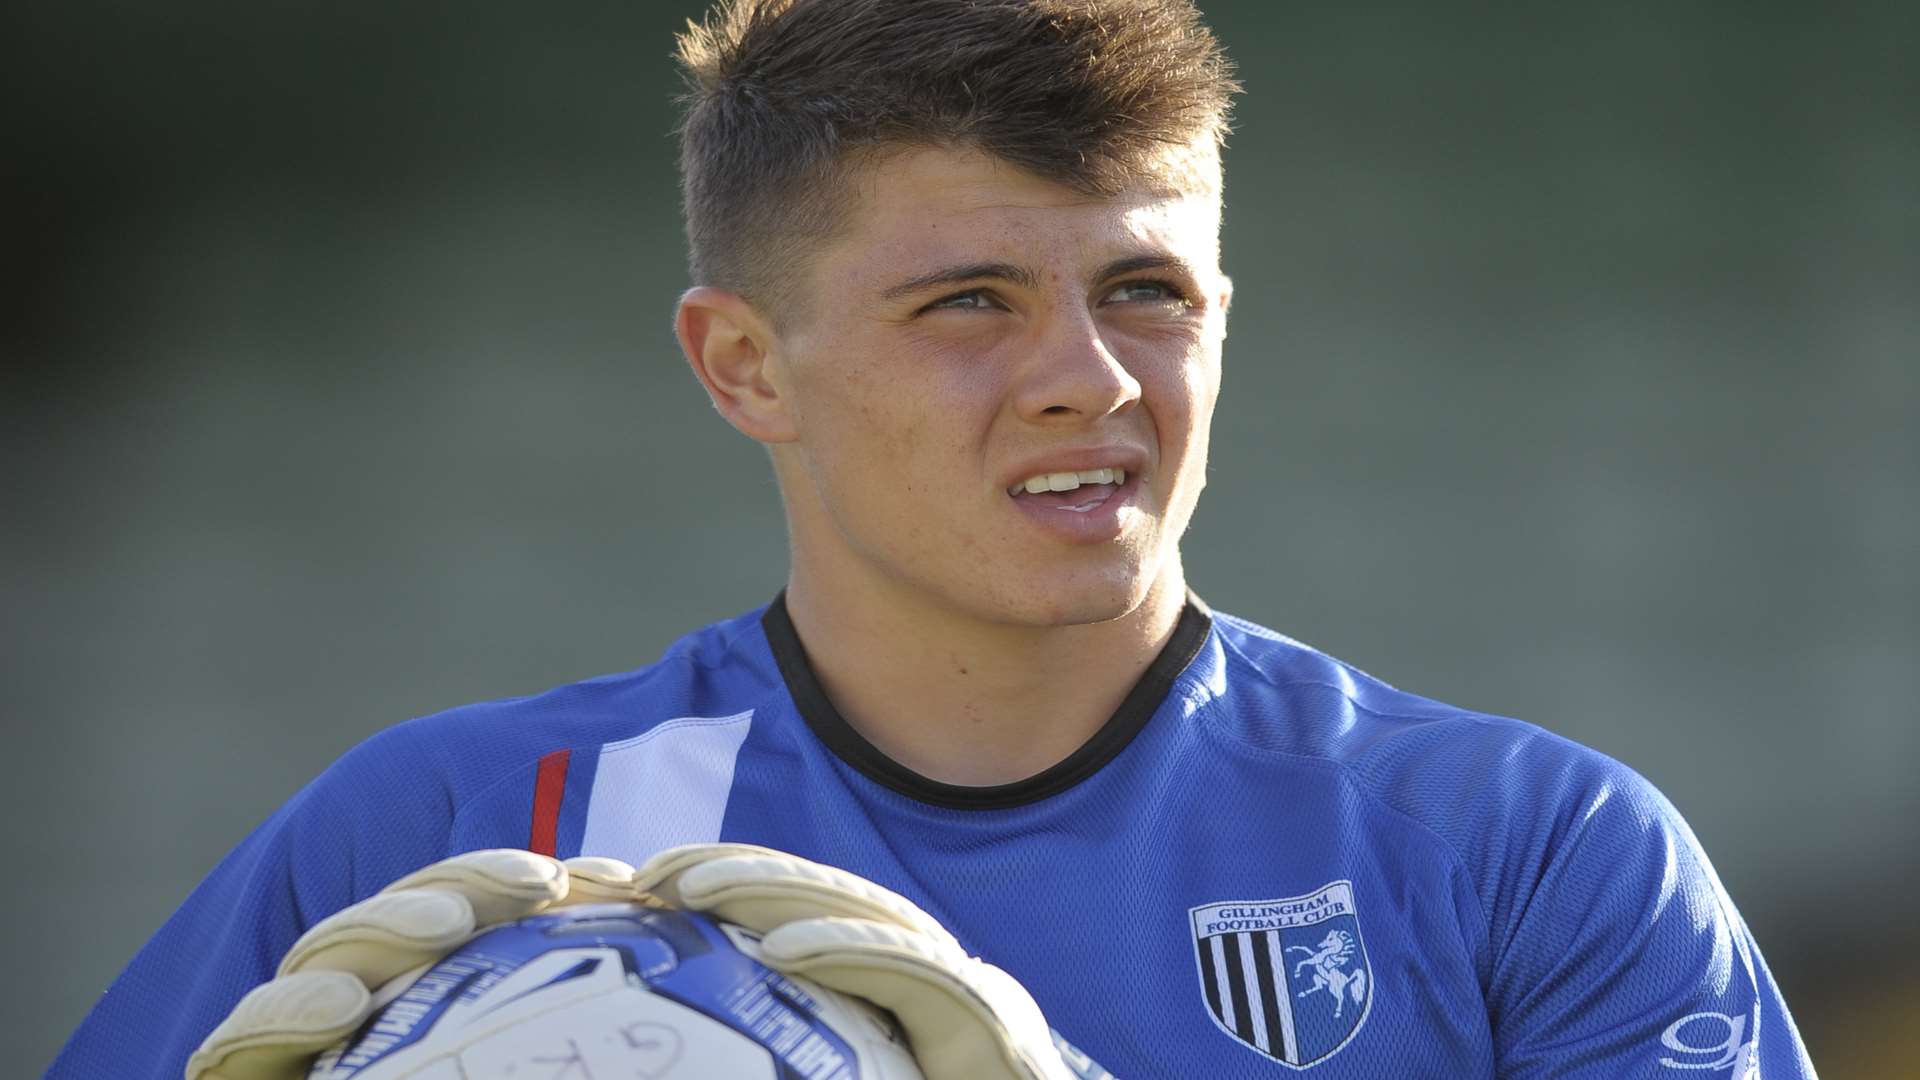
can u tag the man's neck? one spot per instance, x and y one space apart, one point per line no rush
966 701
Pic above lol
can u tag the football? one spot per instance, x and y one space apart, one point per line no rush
616 990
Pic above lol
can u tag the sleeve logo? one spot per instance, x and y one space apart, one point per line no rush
1286 977
1711 1040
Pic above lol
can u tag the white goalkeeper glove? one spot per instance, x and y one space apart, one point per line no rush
965 1018
324 986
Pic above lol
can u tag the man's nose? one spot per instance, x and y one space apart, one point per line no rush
1073 375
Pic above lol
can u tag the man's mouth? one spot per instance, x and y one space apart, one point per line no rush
1078 492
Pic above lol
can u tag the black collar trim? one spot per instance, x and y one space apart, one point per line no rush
1196 622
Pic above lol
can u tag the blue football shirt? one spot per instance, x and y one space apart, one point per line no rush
1266 862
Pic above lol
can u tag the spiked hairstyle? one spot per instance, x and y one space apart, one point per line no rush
786 98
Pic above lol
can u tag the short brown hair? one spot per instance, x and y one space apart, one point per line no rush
785 97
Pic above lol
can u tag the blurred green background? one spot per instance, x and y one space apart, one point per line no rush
1574 375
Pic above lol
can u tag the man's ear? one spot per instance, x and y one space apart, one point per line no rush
736 356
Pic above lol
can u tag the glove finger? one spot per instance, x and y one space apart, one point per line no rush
804 939
501 884
384 935
277 1028
965 1019
594 879
761 889
660 874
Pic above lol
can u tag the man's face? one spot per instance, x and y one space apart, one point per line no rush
977 333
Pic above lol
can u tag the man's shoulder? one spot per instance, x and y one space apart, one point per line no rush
720 669
1294 697
1475 779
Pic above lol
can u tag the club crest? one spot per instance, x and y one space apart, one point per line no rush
1286 977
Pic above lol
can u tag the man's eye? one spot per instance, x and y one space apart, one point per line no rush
1146 291
971 300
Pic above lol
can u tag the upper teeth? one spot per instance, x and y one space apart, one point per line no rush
1067 481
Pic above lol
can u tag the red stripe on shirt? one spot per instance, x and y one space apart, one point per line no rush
548 785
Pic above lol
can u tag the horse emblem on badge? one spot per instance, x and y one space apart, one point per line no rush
1286 977
1328 959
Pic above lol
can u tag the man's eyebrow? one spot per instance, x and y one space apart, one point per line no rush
1025 278
1144 261
953 275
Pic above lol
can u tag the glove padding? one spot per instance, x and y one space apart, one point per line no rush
324 986
965 1019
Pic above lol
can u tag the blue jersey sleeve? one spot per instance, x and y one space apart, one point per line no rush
370 818
1622 956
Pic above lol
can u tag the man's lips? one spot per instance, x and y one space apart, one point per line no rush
1089 514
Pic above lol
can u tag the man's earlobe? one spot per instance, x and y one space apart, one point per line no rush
736 355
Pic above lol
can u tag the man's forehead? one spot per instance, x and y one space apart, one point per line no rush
1178 172
928 202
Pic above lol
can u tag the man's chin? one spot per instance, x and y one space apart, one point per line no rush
1072 600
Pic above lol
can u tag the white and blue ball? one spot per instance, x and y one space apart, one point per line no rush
616 990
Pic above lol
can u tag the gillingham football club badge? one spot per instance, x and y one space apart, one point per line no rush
1286 977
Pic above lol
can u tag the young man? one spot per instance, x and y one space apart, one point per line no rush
957 268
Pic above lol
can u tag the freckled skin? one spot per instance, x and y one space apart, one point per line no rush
972 326
910 410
